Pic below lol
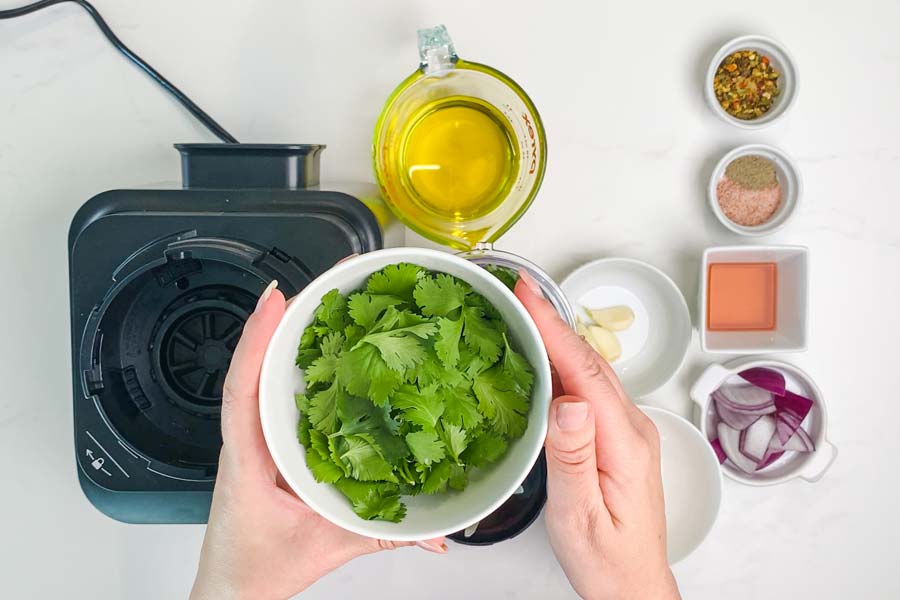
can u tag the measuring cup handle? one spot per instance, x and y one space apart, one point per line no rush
437 55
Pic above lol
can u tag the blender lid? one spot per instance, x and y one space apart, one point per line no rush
514 516
484 255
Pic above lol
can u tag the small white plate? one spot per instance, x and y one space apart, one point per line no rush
654 347
692 482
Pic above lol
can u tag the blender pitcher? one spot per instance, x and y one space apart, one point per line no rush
459 148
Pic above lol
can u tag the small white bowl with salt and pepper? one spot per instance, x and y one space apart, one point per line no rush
788 181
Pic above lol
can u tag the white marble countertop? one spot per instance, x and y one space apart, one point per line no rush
631 146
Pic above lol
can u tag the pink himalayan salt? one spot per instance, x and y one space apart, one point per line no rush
745 206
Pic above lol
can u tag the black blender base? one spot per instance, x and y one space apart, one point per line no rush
147 507
161 283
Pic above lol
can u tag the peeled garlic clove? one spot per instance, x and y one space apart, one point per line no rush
614 318
604 342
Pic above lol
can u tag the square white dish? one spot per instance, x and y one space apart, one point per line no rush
791 312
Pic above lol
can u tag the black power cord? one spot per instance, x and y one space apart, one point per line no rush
195 110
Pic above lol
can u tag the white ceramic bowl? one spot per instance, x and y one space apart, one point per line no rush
780 59
654 347
808 466
427 516
692 482
791 302
788 178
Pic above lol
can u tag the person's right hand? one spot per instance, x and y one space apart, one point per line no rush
605 512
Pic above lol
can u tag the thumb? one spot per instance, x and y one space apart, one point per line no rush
572 477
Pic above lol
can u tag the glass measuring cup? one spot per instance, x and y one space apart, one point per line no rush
459 149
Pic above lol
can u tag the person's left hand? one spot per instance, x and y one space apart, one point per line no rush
262 541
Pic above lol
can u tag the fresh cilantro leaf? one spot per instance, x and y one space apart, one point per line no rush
486 309
301 401
318 442
363 460
517 368
399 352
446 344
425 446
323 409
307 339
363 372
303 429
396 280
322 370
484 449
365 309
434 372
480 335
439 296
501 401
373 501
459 478
437 478
332 344
305 357
410 384
322 469
352 334
399 347
332 312
504 274
460 408
454 440
422 407
360 416
471 364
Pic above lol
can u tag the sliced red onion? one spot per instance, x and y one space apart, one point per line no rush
735 419
754 441
800 442
745 398
790 402
787 425
717 448
767 379
770 457
729 439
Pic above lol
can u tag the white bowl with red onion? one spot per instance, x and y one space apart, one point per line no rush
766 420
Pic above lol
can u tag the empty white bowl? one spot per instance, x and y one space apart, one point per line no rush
427 516
791 303
788 178
654 347
781 60
692 482
810 466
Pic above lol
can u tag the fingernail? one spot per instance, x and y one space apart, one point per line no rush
533 285
437 549
571 415
266 293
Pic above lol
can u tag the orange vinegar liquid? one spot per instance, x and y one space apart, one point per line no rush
741 296
458 158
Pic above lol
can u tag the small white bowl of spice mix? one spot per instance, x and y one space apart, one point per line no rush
751 81
755 189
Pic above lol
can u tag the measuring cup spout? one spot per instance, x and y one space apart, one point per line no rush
436 52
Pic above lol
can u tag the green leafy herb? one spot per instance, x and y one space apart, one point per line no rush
411 382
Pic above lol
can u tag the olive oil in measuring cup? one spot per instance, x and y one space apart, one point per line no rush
458 158
459 149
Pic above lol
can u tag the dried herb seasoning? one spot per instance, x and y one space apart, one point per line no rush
746 84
